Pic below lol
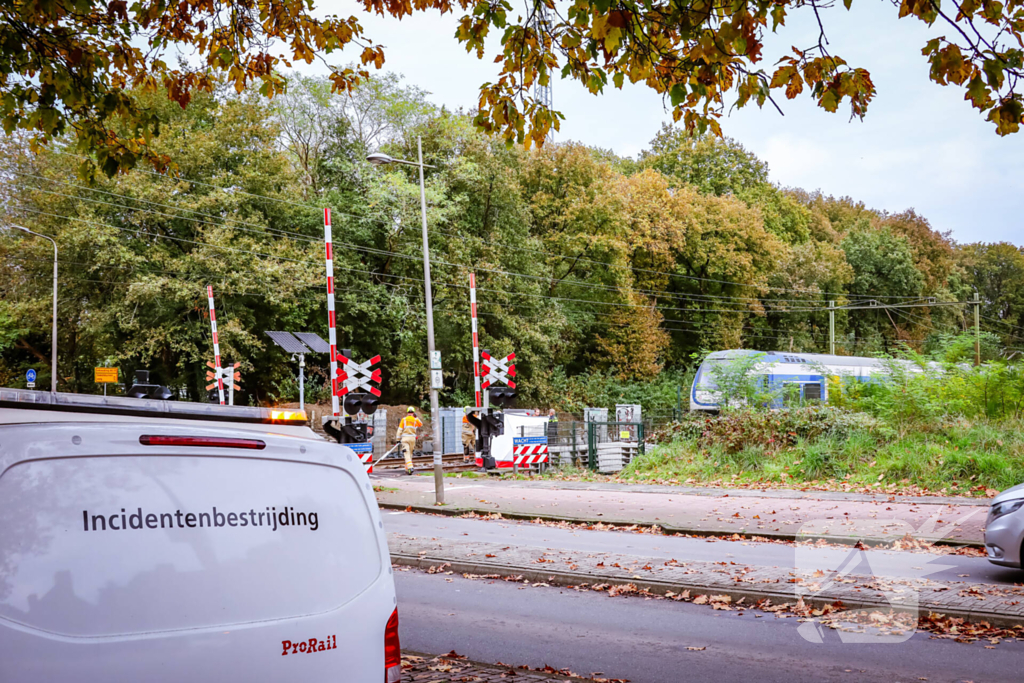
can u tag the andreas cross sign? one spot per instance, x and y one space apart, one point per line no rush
354 377
497 370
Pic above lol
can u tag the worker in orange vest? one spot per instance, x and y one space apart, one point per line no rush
407 436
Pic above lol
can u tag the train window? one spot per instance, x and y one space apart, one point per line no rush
812 392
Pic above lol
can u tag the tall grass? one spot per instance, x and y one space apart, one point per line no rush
958 458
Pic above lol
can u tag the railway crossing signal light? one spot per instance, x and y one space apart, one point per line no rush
361 403
357 432
502 397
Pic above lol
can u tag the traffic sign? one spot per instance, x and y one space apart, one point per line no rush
105 375
498 370
435 360
353 376
436 379
30 376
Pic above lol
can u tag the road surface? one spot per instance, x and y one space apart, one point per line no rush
646 641
876 562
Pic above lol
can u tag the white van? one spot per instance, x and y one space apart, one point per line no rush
146 540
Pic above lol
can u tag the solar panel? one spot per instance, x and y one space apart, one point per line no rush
314 342
287 342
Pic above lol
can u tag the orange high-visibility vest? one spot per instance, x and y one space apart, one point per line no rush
408 426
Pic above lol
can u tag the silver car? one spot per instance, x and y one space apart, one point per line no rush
1004 529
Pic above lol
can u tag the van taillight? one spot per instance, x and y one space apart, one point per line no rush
392 651
203 441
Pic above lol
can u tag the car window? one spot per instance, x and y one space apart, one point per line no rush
109 545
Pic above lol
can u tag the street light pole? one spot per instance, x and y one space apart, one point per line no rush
435 411
53 331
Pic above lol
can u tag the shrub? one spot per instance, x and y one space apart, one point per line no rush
771 430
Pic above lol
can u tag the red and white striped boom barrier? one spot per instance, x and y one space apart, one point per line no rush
216 344
332 337
476 338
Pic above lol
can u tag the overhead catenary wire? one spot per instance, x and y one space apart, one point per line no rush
263 230
246 251
511 273
213 246
657 293
263 294
498 291
310 207
223 278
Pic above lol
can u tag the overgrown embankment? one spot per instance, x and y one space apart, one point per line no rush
833 448
954 429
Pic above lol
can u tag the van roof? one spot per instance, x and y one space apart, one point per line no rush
113 406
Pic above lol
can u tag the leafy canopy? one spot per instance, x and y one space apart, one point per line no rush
72 65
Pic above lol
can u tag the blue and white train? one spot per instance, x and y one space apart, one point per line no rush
777 371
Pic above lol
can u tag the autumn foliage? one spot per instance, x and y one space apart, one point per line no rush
78 66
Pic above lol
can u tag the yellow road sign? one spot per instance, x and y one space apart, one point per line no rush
106 375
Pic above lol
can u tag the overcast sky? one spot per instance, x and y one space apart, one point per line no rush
920 146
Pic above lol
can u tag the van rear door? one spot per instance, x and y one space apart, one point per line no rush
177 550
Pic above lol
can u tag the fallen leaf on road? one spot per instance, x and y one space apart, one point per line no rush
696 649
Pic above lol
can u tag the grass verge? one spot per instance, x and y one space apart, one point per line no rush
959 458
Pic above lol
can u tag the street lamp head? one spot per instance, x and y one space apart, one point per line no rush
379 159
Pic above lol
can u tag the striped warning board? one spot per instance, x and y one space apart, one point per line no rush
363 451
529 450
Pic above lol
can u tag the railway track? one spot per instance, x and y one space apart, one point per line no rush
450 461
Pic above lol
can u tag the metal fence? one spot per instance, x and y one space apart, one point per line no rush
613 445
567 443
599 445
451 430
380 433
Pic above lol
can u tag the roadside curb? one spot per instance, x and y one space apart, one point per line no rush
713 492
569 578
473 670
667 529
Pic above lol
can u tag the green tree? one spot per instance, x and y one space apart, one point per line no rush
881 262
713 165
996 272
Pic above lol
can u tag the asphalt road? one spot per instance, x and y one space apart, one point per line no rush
875 562
646 641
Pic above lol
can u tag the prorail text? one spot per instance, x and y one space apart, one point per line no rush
271 518
310 646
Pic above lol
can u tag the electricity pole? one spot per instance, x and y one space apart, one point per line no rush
977 329
378 159
832 328
53 332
